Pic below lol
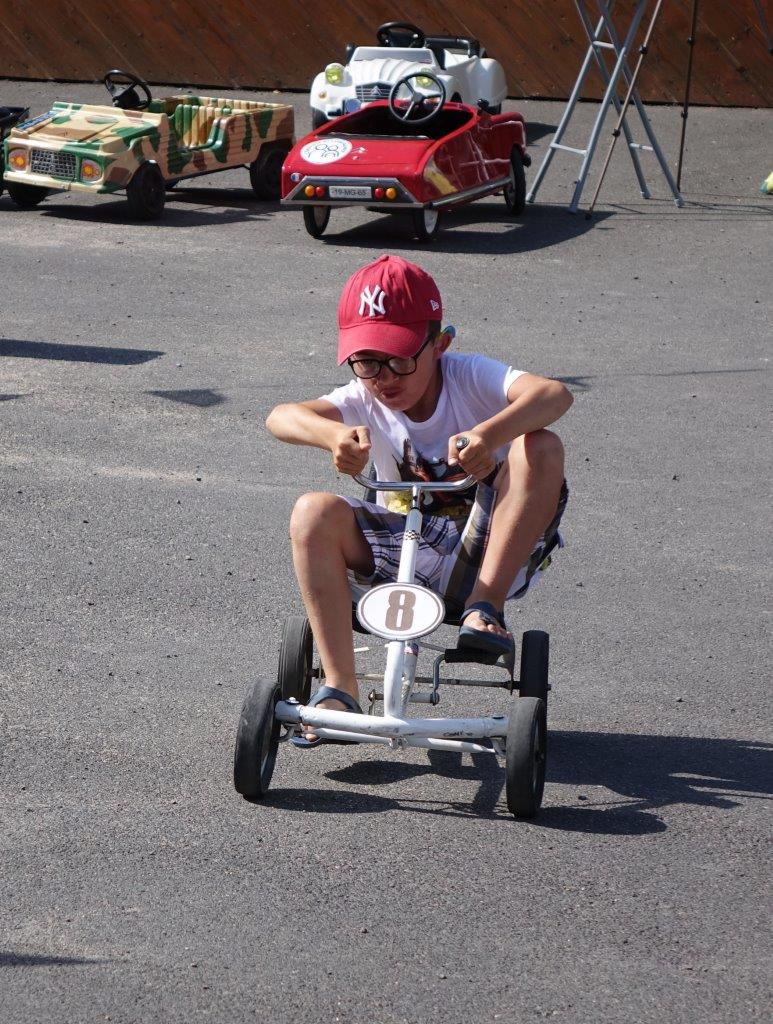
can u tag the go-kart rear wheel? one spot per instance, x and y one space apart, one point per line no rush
146 193
525 758
426 223
26 196
257 739
295 659
515 190
318 118
535 659
266 172
315 219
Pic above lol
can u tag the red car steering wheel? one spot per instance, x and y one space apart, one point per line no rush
406 102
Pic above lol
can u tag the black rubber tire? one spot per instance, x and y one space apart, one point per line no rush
315 220
525 759
426 223
146 193
495 108
257 740
296 657
26 196
266 172
318 118
535 662
515 192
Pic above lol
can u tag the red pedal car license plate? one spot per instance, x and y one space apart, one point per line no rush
349 192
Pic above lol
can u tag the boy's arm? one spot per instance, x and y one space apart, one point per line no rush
319 423
534 402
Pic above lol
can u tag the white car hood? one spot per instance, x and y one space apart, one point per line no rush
387 69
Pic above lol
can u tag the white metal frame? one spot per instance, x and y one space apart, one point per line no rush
621 50
394 728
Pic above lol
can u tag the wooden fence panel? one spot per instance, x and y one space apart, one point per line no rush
244 44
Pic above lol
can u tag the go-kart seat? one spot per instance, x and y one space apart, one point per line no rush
193 123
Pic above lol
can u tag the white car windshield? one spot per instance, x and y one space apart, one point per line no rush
393 52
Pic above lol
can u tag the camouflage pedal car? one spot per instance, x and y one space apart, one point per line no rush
145 145
9 116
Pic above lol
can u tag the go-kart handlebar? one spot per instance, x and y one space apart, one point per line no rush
409 485
419 485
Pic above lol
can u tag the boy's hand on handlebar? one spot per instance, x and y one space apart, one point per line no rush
352 450
475 457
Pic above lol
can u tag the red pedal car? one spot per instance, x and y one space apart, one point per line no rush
415 153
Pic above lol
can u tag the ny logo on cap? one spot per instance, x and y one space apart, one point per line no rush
373 299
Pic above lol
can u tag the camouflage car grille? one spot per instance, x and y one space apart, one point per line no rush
373 91
62 165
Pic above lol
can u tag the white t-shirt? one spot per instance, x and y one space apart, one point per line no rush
474 389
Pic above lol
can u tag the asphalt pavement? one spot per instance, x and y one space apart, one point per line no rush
147 572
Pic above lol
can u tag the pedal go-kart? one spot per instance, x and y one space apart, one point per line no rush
402 613
369 72
145 145
414 153
9 116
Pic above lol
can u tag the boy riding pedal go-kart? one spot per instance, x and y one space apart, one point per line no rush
460 443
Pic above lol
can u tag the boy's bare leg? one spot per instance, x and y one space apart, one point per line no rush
528 487
326 541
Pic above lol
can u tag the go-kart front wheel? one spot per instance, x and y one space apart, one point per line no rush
515 189
25 196
257 740
535 658
426 223
315 219
525 756
146 193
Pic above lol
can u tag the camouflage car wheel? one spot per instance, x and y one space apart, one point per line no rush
266 172
146 193
26 196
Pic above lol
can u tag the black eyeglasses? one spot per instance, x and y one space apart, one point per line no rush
401 366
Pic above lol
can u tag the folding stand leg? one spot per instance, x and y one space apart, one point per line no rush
621 51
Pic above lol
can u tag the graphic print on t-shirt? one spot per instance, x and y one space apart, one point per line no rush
414 466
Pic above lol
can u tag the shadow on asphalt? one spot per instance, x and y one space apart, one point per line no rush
204 398
184 208
536 130
8 959
539 227
648 772
76 353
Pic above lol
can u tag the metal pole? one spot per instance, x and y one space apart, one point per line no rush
686 105
631 86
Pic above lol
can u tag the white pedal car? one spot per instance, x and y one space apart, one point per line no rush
370 72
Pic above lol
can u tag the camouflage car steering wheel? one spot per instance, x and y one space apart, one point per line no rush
122 86
406 102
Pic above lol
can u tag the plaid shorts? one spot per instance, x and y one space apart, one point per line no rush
450 550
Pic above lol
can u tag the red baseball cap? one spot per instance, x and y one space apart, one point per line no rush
385 307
